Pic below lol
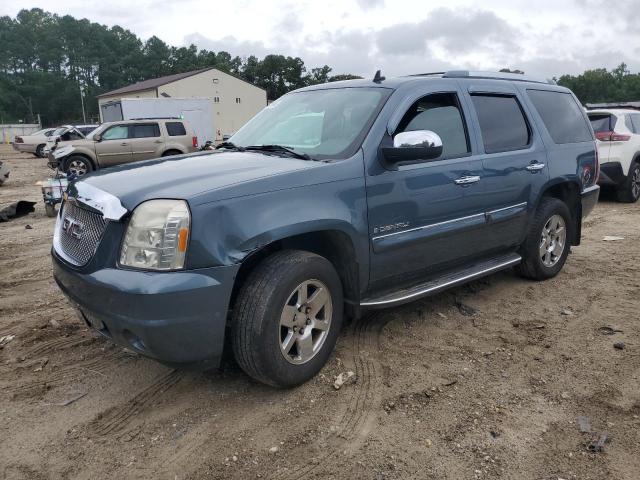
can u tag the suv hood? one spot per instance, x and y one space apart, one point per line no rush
65 148
200 177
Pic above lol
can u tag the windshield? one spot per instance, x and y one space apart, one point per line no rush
59 131
320 123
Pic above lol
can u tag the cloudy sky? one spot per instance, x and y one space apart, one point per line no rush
541 37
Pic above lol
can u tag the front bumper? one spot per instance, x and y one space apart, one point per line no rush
177 318
589 199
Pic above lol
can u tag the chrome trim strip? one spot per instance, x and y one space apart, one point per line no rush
523 204
441 286
107 204
424 227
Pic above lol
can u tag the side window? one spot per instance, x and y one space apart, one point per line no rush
502 123
175 129
440 113
600 122
117 132
145 130
635 120
561 115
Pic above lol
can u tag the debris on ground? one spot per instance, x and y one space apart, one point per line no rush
567 311
584 424
611 238
70 400
6 339
607 330
28 227
43 363
343 378
273 449
618 345
465 309
598 445
17 209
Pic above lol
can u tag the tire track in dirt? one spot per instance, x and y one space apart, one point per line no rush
56 344
360 415
115 419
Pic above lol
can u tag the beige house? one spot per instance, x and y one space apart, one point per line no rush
234 101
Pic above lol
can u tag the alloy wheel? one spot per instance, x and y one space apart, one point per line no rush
305 321
553 240
77 167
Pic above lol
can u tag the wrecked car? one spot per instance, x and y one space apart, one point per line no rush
335 199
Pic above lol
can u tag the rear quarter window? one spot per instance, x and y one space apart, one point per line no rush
176 129
561 115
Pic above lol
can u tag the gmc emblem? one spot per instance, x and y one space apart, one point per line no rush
72 227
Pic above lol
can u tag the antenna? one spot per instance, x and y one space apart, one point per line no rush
377 78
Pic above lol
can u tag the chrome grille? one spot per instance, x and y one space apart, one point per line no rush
79 234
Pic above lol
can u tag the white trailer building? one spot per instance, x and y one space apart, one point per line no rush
233 100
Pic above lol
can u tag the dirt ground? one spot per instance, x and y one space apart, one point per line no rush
484 381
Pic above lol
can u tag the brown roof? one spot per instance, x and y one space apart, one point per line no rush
153 83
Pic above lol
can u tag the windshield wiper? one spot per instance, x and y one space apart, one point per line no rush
279 149
230 146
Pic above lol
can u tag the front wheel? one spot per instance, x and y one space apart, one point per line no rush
287 317
546 247
630 191
77 165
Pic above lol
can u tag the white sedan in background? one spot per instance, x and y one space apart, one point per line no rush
33 143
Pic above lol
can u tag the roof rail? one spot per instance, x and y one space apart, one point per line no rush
156 118
428 74
516 77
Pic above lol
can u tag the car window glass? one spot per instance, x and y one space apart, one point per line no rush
116 133
561 115
441 114
145 130
600 123
635 120
502 123
175 129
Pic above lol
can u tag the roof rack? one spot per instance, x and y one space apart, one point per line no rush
516 77
426 74
156 118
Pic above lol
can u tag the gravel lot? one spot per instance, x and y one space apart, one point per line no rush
484 381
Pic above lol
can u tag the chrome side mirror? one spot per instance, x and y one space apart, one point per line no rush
413 147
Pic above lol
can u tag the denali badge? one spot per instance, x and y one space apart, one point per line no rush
390 228
72 227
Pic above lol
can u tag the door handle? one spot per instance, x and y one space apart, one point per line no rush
157 141
467 180
124 144
535 167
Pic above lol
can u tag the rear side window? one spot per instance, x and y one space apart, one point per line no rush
635 120
144 130
561 115
502 123
175 129
601 122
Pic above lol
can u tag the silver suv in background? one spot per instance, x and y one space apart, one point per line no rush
114 143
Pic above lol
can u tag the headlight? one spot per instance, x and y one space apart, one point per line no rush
157 236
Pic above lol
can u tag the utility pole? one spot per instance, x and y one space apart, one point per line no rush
84 116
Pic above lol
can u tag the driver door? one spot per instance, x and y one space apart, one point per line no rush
114 147
427 216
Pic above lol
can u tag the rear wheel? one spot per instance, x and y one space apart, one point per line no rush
170 153
77 165
40 151
630 191
546 247
287 317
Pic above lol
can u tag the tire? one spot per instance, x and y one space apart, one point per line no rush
50 210
544 252
40 151
170 153
77 165
630 191
269 351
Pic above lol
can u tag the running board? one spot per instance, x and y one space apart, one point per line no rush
449 280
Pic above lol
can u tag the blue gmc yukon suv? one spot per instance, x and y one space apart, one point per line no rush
334 199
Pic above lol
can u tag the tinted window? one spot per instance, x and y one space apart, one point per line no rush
635 120
175 129
502 123
441 114
145 130
600 123
561 115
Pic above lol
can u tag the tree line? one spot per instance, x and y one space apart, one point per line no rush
46 60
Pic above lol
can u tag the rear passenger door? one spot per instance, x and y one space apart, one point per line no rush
514 161
146 141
